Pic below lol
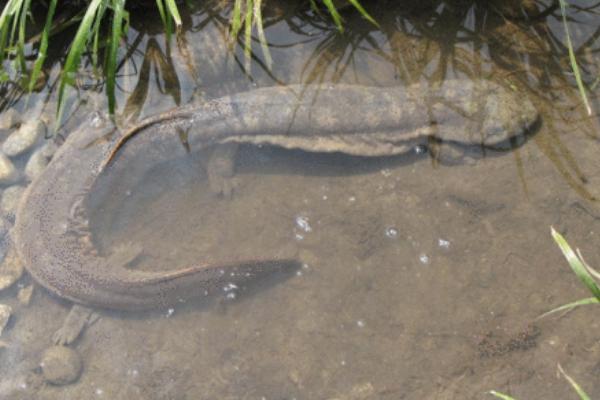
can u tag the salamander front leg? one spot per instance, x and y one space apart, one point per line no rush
220 169
78 318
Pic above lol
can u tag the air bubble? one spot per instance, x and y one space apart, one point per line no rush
391 232
420 149
302 223
444 243
229 287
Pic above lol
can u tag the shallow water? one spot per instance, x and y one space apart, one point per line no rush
420 280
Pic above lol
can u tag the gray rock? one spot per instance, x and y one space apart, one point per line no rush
9 118
11 268
5 312
49 149
5 226
10 200
8 172
36 164
24 138
61 365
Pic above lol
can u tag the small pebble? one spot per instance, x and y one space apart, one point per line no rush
8 172
9 118
23 138
24 295
11 268
10 200
61 365
36 164
5 312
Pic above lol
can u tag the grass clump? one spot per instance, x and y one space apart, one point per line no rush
586 274
102 24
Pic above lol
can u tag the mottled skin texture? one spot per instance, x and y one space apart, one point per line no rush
356 120
52 234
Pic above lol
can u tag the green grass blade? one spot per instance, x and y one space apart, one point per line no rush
572 59
4 20
43 49
172 7
77 46
569 306
580 392
337 18
576 264
161 11
261 34
363 12
248 35
15 23
164 17
111 60
236 19
595 274
97 33
501 395
21 35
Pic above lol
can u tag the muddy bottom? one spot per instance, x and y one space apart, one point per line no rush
419 281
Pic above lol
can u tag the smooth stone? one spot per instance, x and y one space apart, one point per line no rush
5 312
36 164
24 138
9 118
24 295
11 268
49 149
8 172
5 226
61 365
10 200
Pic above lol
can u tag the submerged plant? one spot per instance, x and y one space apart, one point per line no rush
586 274
578 389
572 58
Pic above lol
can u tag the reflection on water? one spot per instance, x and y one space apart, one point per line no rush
419 280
